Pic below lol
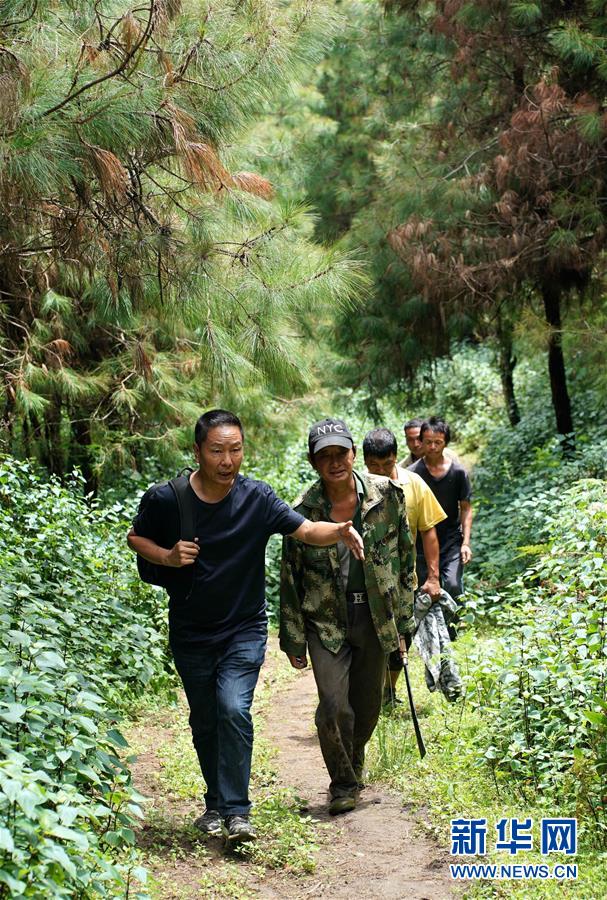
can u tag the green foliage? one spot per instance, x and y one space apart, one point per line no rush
286 837
465 390
520 477
456 779
148 273
462 171
81 639
543 695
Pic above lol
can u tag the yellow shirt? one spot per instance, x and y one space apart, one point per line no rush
423 509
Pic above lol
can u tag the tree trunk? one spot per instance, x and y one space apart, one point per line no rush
551 295
7 419
26 437
52 455
507 362
80 454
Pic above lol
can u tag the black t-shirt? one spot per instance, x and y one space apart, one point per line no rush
448 490
223 593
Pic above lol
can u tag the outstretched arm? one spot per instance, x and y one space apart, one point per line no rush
431 554
322 534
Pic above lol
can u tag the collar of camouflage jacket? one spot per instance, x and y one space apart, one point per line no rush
366 486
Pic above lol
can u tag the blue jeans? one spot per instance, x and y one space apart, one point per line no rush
219 683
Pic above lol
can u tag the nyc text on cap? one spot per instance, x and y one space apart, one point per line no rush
328 433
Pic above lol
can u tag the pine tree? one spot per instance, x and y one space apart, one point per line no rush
145 271
524 117
487 188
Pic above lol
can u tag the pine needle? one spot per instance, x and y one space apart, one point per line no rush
112 175
253 184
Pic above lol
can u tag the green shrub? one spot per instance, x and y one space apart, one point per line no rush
520 477
81 639
542 695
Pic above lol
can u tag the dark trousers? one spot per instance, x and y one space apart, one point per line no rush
451 570
349 686
219 683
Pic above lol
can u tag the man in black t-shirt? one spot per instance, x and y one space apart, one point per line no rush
450 484
217 616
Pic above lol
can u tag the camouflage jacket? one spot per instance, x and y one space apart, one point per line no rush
434 644
311 585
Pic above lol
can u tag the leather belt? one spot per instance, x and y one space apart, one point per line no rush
357 597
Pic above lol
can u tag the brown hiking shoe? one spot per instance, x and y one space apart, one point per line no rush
340 805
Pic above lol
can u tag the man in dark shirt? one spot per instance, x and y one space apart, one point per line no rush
217 616
450 484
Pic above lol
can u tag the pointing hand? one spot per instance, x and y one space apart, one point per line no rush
352 539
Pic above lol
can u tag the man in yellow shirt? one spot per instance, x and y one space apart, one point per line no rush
424 512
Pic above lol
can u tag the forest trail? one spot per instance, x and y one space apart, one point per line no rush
378 850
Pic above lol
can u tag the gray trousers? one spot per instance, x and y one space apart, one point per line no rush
350 684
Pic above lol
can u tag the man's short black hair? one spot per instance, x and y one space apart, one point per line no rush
212 419
413 423
437 425
380 443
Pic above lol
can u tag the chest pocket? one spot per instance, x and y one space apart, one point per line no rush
386 547
317 559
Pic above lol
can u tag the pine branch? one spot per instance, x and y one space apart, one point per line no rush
117 71
21 21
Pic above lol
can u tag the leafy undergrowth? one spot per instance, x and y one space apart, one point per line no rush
80 640
530 737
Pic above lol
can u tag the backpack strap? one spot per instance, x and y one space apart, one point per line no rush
185 501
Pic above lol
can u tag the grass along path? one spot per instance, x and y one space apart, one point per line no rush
452 781
379 850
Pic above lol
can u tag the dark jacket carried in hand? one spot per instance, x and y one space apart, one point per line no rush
311 586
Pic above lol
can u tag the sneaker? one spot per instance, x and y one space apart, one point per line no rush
340 805
209 822
238 829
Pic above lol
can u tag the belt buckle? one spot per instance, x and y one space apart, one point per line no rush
358 597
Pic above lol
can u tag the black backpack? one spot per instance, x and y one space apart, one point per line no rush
149 572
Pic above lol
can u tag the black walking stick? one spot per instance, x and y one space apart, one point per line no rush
405 658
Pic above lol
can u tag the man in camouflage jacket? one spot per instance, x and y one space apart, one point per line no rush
347 614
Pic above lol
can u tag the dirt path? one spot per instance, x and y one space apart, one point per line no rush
377 851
